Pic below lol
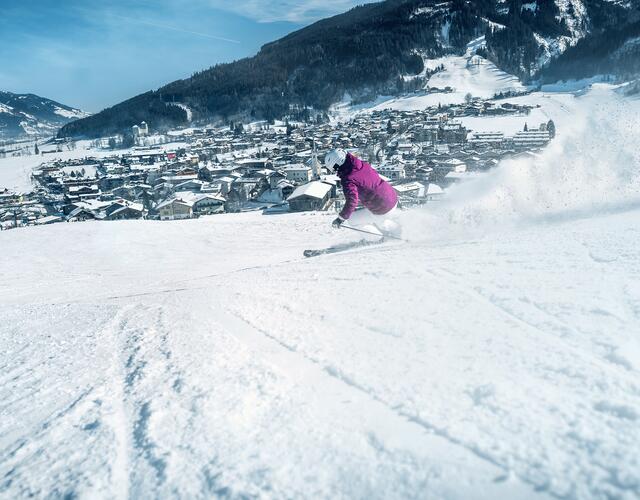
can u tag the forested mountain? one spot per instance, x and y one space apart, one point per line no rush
616 51
365 52
28 114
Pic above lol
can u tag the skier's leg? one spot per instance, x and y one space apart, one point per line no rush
365 220
388 223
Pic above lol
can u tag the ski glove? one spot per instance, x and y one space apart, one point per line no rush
338 222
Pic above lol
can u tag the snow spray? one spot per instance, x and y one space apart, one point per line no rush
592 166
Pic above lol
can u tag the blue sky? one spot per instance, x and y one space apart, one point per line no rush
94 53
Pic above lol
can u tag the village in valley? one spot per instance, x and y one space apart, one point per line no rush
270 167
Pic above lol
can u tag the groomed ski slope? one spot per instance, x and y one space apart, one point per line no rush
496 355
464 74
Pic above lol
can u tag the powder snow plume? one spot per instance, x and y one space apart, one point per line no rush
591 167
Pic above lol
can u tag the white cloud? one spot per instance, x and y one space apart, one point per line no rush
305 11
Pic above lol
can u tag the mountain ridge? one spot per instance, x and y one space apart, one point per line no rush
23 115
367 51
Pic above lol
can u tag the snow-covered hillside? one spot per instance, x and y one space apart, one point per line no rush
24 115
465 74
496 355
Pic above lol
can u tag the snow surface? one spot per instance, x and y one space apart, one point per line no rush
70 113
560 107
482 80
496 355
185 108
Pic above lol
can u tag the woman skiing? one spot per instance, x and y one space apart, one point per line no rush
361 183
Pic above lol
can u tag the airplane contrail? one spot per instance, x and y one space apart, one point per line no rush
174 28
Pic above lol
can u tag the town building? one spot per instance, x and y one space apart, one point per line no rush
314 195
297 172
175 209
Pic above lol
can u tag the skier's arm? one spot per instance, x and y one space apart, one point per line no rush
351 196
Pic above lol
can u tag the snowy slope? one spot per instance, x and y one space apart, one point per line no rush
466 74
31 115
494 356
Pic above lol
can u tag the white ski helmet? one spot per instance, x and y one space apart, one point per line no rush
335 158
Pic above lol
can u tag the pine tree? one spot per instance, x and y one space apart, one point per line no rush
551 127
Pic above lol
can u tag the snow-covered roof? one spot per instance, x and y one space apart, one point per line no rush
409 186
133 206
330 179
48 219
295 166
209 196
172 201
314 189
191 181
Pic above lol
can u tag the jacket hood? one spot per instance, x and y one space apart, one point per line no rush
352 163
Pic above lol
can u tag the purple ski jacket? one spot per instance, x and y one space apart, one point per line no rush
361 183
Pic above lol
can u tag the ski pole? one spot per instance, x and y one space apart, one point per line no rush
372 233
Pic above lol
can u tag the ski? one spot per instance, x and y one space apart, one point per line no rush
342 247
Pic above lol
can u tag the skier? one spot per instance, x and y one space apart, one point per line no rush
361 183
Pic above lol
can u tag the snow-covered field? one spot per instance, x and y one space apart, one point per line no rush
496 355
15 171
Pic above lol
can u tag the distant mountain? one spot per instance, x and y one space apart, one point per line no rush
24 115
368 51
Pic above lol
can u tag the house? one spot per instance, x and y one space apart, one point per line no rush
493 138
192 185
455 165
253 163
83 192
224 183
80 214
393 172
434 192
174 180
275 179
452 133
140 130
10 198
128 211
207 204
410 191
334 181
175 209
277 192
531 138
297 172
314 195
424 173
